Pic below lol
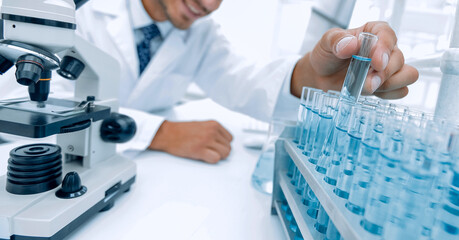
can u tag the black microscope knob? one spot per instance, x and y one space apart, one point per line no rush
71 68
118 128
71 186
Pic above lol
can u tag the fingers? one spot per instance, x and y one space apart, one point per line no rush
333 50
223 150
395 94
210 156
377 79
406 76
218 141
227 135
387 41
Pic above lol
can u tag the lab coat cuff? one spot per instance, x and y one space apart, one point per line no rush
287 104
147 126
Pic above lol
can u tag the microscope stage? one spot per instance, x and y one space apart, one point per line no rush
29 119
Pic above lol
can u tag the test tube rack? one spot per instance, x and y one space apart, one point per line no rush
347 223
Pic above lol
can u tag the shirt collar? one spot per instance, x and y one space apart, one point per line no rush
140 18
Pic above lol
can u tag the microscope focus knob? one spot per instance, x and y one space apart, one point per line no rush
118 128
70 68
71 186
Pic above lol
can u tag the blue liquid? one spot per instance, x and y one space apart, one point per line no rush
324 158
312 203
361 183
300 185
311 132
323 130
344 183
284 205
340 142
382 190
289 214
293 226
305 127
408 208
296 174
322 221
291 169
332 232
447 223
437 194
299 123
355 78
262 176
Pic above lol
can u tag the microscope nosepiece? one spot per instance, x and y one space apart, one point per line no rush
28 69
5 64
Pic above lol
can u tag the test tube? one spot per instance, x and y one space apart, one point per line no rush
322 220
384 185
357 121
324 126
339 143
307 115
447 219
301 112
358 68
415 182
366 163
312 122
332 232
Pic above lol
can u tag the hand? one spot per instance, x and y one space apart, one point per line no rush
207 141
326 66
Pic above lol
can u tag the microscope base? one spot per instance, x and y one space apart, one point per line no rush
45 216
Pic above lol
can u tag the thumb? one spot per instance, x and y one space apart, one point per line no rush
333 49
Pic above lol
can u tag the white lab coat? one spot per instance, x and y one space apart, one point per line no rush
199 54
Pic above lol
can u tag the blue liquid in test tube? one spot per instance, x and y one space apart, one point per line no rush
384 187
323 129
358 120
358 68
299 123
447 223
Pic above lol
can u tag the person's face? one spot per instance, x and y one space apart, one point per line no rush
182 13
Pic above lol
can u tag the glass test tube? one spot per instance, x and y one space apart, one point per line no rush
387 172
307 116
357 120
366 163
313 122
339 143
301 112
324 126
358 68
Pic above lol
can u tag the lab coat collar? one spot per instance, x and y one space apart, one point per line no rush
112 7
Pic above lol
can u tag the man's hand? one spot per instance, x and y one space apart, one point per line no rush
207 141
325 67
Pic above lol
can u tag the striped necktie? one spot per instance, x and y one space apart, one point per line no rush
149 32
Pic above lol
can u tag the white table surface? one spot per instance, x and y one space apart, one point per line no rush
176 198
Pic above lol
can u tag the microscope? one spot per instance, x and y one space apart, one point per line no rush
51 189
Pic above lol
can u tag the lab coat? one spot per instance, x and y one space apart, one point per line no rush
200 54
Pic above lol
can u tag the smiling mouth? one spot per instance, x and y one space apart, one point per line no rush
194 10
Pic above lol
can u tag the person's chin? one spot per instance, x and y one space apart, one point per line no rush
181 24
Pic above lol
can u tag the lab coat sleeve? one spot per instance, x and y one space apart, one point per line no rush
287 105
147 126
239 84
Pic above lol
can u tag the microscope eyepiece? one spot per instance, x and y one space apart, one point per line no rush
28 69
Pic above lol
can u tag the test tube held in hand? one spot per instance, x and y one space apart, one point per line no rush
358 68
